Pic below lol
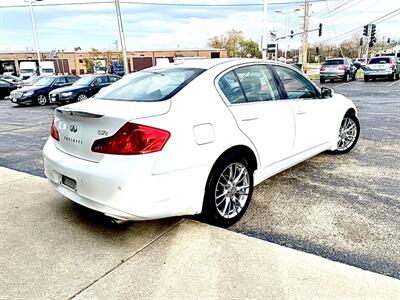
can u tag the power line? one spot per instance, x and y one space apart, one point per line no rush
376 21
164 4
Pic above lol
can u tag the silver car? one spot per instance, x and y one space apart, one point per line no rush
382 67
337 68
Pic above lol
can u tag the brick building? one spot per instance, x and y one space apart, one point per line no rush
73 62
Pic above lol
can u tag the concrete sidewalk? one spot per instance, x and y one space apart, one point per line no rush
52 248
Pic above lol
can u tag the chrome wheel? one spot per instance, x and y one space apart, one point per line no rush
232 190
347 134
42 100
82 97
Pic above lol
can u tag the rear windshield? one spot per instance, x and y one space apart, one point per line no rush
150 85
334 62
380 60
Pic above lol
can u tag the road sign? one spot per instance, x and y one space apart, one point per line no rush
271 48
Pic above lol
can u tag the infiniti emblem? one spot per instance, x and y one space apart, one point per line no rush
73 128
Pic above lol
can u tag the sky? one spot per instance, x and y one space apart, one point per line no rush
153 27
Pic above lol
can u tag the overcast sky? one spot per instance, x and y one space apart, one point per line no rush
166 27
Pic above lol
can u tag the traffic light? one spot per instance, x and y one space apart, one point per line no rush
320 29
291 33
365 32
371 44
373 32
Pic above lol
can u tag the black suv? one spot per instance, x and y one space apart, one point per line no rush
38 93
84 88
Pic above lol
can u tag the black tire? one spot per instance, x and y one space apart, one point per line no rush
357 135
354 77
366 78
331 80
210 213
393 77
40 101
322 80
81 97
346 77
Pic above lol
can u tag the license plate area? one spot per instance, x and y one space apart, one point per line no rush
68 182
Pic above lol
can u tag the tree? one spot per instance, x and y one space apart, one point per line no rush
235 44
249 48
96 55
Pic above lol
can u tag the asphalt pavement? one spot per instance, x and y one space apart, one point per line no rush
344 208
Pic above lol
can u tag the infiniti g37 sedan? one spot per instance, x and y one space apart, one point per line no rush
193 137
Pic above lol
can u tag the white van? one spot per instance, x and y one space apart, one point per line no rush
27 69
47 68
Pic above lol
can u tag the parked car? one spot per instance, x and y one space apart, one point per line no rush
30 81
361 62
5 88
11 78
337 68
84 88
194 137
382 67
38 92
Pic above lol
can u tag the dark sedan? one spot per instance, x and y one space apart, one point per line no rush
38 92
84 88
5 88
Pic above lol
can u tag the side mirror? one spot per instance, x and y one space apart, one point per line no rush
96 83
326 92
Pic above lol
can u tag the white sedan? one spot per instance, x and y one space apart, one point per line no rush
193 137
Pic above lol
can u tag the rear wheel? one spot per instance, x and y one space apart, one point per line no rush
322 80
349 133
346 77
393 77
41 100
366 78
228 191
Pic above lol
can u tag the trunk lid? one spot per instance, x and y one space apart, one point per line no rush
80 124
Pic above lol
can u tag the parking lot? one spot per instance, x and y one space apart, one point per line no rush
345 208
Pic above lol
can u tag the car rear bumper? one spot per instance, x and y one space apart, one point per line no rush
378 73
124 187
331 75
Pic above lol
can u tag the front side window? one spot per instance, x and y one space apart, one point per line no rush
150 85
72 79
61 80
295 84
100 80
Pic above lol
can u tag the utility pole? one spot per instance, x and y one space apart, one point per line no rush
122 36
265 31
305 35
35 35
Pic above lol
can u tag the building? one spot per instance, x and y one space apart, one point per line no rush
74 62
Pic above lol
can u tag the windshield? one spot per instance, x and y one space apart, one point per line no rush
26 71
84 81
150 85
44 81
334 62
380 60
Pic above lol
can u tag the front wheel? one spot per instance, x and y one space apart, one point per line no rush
346 77
228 191
41 100
349 133
322 80
81 97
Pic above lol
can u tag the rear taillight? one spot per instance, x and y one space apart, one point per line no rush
133 139
54 131
341 67
322 69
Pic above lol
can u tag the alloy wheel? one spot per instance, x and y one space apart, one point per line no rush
232 190
82 97
347 134
42 100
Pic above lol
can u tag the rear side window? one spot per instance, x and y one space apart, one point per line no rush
101 80
295 84
380 60
334 62
150 85
113 78
229 85
72 79
61 80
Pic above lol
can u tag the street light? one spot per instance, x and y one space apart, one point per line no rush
287 12
34 31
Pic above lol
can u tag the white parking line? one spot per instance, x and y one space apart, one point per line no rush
393 83
342 84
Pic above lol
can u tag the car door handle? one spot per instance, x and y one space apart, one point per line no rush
250 119
300 112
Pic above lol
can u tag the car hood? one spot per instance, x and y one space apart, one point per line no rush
29 88
68 89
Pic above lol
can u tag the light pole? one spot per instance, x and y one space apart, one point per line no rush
264 40
287 12
121 36
34 32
